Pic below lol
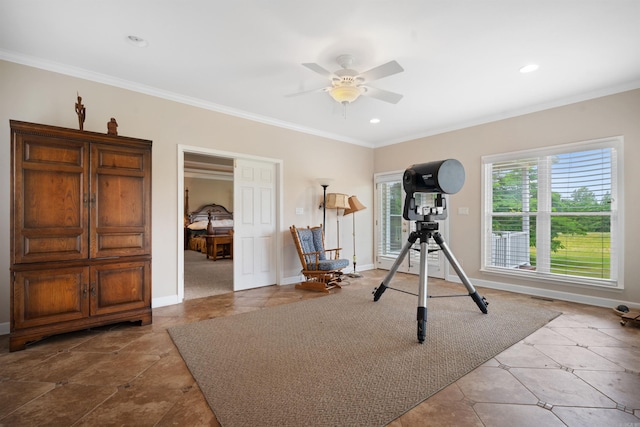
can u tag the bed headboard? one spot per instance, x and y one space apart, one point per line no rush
218 212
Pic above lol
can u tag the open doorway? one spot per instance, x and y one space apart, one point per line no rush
208 209
257 197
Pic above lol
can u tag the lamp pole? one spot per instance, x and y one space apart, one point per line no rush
324 206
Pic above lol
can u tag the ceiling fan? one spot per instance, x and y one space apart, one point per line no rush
347 84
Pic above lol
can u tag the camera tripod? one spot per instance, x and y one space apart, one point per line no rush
424 231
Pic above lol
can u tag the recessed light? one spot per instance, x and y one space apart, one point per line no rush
374 121
137 41
529 68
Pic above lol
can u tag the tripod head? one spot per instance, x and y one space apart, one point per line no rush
439 177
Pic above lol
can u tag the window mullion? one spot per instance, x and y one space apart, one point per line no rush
543 221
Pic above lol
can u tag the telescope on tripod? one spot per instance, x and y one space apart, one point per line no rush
439 177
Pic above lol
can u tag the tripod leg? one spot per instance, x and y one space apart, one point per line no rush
480 301
394 268
422 292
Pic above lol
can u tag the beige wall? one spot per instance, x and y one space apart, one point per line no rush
204 191
34 95
608 116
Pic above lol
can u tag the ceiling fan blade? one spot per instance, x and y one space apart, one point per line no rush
384 70
382 95
318 69
304 92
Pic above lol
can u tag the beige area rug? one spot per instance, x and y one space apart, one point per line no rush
344 360
204 277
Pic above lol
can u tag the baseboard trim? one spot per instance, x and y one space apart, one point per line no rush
164 301
547 293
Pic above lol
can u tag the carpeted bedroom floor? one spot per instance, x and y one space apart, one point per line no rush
204 277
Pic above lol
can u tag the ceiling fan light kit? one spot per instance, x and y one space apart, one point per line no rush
345 94
347 84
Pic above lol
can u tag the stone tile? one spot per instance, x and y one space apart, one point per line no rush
508 415
523 355
62 342
169 371
575 357
559 387
190 410
115 369
627 358
62 406
132 406
14 394
588 337
595 317
155 343
496 385
446 408
627 334
621 387
493 362
61 367
12 365
595 417
110 342
548 336
565 321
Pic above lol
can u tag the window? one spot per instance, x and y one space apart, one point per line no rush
554 213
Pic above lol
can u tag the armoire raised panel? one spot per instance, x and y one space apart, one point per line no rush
80 231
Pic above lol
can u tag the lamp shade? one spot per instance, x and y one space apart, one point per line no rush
337 201
354 206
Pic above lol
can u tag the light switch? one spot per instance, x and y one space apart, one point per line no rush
463 211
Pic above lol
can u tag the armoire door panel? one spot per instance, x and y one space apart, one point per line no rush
49 296
119 287
43 243
51 217
120 201
47 150
113 241
124 196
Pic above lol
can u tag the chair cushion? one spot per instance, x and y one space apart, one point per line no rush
329 264
317 242
306 242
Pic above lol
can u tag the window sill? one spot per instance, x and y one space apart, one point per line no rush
554 278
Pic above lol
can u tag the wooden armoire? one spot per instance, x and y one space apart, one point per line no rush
80 231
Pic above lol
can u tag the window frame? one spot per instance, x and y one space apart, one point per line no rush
616 280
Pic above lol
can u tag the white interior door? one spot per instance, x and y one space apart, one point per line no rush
254 240
392 230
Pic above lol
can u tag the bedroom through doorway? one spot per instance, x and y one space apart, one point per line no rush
208 225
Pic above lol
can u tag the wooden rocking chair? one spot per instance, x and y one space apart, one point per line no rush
321 267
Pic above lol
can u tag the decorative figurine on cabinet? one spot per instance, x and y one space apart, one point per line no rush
112 127
81 112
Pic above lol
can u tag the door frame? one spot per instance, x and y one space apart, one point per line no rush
182 149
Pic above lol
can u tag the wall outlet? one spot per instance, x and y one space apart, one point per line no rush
299 211
463 211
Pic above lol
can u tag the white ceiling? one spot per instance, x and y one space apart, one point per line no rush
461 58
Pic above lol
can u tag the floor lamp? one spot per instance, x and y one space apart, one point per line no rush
324 183
354 206
337 201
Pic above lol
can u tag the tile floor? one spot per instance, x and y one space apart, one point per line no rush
582 369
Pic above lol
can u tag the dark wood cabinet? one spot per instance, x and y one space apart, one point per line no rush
80 231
